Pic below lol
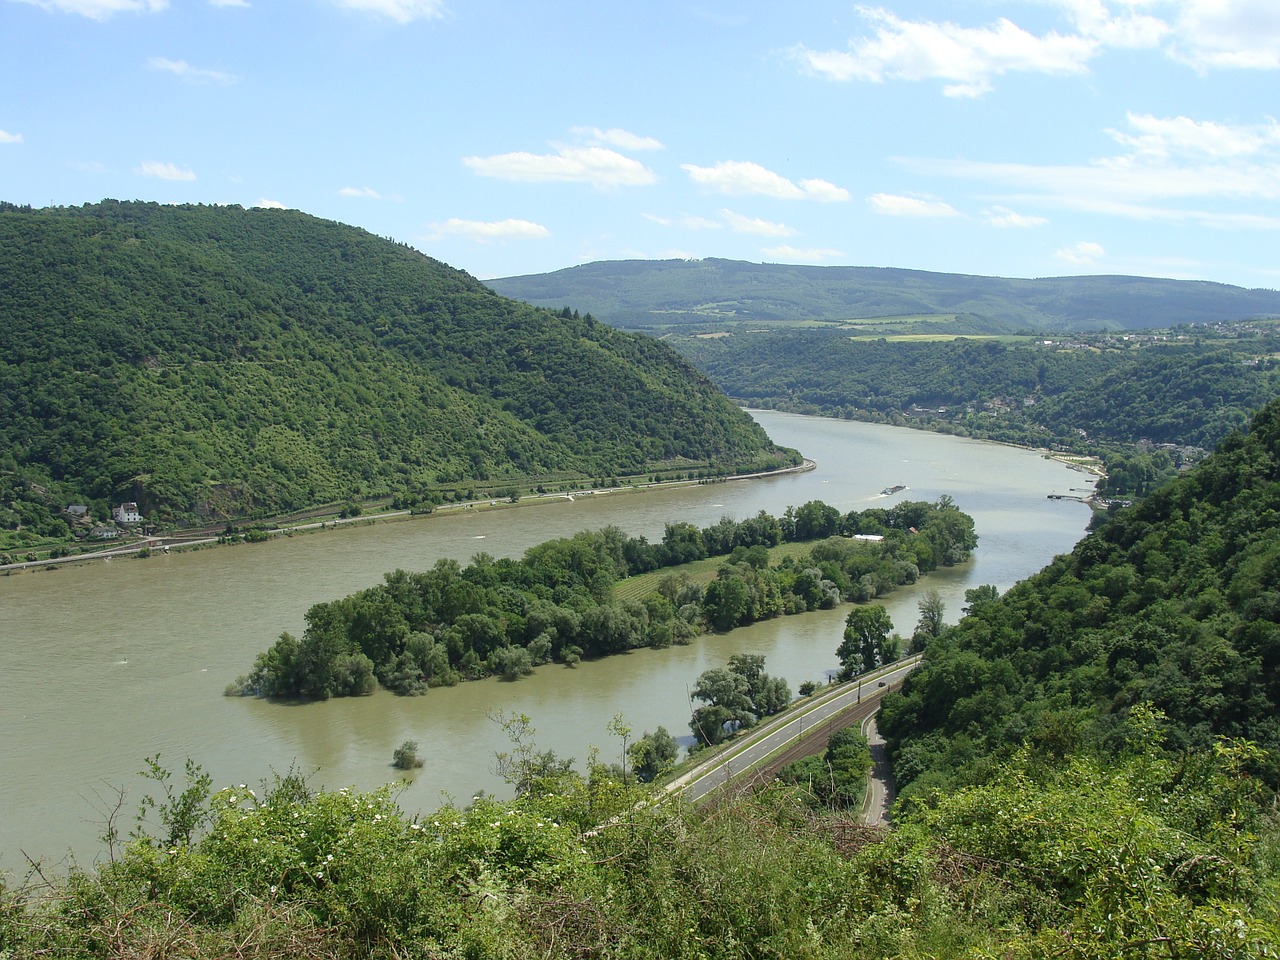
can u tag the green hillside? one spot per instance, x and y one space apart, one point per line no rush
1187 389
649 294
214 362
1175 603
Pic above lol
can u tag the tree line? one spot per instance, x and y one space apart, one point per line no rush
557 603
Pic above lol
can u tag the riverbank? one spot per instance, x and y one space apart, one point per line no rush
205 539
112 662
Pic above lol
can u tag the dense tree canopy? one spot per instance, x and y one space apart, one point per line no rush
216 361
1186 393
1173 602
558 603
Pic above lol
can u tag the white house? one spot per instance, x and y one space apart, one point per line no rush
126 513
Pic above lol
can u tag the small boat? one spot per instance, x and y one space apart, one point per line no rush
890 491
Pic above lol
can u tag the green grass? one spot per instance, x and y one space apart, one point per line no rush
914 318
700 571
923 337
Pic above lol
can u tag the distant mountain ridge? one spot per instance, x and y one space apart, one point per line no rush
211 361
641 294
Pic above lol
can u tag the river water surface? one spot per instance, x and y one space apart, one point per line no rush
104 664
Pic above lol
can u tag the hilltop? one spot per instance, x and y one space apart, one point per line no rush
664 294
214 362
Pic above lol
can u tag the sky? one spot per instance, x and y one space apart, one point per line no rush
1017 138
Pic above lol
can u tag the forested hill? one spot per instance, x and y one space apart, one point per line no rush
647 294
1174 602
1181 390
218 361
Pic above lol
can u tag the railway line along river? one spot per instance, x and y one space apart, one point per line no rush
105 664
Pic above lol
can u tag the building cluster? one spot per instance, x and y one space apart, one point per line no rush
123 516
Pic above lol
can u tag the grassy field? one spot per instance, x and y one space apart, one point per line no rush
700 571
889 321
925 337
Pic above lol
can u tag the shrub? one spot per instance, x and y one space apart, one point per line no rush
406 756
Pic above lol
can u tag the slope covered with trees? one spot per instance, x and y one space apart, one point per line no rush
217 361
1099 395
648 294
1174 602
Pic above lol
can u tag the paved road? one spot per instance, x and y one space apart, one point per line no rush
741 756
880 794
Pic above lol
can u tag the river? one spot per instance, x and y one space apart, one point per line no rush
105 664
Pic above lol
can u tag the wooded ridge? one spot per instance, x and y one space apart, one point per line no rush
646 294
1146 404
1174 602
212 362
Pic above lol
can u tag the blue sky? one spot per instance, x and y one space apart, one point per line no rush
1000 137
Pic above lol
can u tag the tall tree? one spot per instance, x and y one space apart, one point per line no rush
866 643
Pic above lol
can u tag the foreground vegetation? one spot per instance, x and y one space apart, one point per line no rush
213 363
1145 854
558 604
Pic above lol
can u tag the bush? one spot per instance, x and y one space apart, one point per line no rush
406 756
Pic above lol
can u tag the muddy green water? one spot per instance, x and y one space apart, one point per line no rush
104 664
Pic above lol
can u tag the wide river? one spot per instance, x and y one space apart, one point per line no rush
105 664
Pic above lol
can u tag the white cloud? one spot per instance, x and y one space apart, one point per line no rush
101 9
968 57
622 139
366 192
894 205
1004 217
270 204
7 137
741 177
1126 30
1110 180
686 222
1205 34
741 224
401 11
1162 137
164 171
186 71
594 165
483 231
1169 161
1082 254
790 254
228 3
1242 34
